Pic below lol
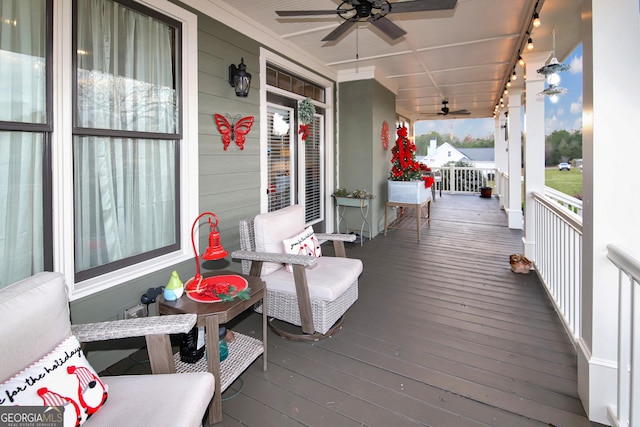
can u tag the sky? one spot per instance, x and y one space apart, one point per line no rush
566 114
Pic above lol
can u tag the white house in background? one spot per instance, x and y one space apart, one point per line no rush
480 157
438 156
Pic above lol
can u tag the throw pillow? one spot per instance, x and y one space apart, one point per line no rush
304 243
61 378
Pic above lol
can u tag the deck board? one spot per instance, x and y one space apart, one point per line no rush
442 334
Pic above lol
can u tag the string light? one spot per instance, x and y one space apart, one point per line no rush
536 20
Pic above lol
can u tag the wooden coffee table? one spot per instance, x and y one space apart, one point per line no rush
243 351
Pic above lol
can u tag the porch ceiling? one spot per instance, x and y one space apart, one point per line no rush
465 55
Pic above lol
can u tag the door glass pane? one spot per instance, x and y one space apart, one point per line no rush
279 191
23 66
313 171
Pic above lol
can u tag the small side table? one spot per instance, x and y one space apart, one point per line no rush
243 351
418 208
351 202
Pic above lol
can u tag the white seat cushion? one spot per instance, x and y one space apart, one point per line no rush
272 228
327 281
155 400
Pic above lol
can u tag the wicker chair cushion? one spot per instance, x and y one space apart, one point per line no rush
327 281
272 228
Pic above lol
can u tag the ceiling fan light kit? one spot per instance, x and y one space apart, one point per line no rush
446 111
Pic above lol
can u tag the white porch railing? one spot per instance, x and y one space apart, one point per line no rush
502 187
558 258
627 411
466 179
571 203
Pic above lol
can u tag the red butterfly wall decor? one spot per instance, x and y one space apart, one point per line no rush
236 130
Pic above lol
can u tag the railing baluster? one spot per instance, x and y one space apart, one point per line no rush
627 411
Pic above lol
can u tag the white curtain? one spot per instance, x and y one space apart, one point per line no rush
125 201
23 101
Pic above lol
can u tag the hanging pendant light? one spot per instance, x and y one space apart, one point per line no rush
550 71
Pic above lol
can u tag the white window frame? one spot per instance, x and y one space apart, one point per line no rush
62 152
269 57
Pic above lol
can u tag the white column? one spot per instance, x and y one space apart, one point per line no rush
500 151
611 206
534 142
514 125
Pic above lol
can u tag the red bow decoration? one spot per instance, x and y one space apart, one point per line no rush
428 181
304 130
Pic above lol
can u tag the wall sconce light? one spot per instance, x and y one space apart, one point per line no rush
536 20
240 79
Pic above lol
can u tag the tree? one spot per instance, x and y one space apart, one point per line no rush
562 146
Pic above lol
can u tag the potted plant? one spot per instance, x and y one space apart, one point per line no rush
355 198
485 192
406 181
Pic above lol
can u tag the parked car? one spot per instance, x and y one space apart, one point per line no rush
564 167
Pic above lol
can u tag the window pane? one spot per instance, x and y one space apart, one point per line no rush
125 198
126 70
22 61
284 81
298 86
21 214
272 77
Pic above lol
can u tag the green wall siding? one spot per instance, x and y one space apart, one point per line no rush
363 163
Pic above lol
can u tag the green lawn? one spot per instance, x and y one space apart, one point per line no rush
568 182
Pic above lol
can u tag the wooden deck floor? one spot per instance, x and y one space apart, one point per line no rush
443 334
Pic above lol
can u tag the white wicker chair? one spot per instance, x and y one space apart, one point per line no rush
318 292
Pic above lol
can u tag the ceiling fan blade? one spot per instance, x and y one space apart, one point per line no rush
338 32
460 112
386 26
306 12
422 5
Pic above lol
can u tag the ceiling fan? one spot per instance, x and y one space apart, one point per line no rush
445 111
373 11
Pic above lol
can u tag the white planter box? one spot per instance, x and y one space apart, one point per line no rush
408 192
